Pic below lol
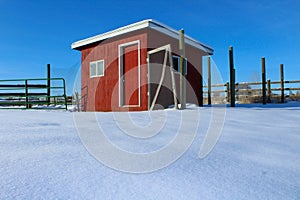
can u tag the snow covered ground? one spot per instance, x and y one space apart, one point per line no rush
257 157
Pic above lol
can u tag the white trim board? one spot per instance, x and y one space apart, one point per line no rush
149 23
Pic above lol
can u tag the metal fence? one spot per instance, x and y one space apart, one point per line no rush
39 93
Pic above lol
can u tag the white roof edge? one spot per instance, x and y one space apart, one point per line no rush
116 32
174 33
140 25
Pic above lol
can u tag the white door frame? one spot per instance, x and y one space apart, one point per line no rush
121 92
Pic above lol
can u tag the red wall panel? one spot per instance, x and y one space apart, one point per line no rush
102 93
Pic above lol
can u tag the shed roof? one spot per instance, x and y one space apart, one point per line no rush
149 23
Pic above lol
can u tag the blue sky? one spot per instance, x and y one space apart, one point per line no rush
34 33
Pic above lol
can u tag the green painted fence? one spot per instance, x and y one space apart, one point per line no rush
38 93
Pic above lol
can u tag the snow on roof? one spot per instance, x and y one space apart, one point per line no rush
149 23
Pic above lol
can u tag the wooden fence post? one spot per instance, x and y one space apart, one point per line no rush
182 70
48 84
282 83
77 101
208 81
263 72
26 95
269 91
228 92
232 77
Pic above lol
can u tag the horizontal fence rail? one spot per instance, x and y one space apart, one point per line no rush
245 91
37 93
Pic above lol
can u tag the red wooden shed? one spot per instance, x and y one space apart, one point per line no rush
129 68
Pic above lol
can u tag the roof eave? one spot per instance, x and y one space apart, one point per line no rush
174 33
110 34
149 23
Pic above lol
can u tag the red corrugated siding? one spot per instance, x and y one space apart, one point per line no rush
102 93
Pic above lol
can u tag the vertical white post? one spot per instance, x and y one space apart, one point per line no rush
172 77
208 81
182 70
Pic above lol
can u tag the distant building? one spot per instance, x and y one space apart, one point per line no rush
117 76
